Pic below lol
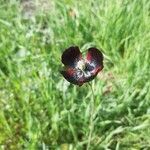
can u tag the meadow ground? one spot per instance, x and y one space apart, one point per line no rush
40 110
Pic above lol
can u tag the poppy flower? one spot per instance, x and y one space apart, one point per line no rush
79 70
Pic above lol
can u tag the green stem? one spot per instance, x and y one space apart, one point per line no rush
91 124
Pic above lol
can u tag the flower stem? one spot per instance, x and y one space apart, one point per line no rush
91 124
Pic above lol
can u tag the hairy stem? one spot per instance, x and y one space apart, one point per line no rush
91 124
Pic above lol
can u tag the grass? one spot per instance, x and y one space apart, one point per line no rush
40 110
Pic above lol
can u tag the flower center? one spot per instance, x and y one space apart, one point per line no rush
81 65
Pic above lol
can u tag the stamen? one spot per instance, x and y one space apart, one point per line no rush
81 65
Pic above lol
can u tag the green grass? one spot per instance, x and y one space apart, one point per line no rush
40 110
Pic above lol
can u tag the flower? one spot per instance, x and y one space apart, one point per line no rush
79 70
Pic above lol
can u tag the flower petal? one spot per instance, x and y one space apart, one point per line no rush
91 72
70 56
95 57
73 76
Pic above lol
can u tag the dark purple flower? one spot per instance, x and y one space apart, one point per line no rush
79 70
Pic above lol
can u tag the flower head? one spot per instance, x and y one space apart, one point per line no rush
79 70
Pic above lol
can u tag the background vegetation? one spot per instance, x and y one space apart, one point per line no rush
39 109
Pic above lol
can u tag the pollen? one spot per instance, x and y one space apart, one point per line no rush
81 64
